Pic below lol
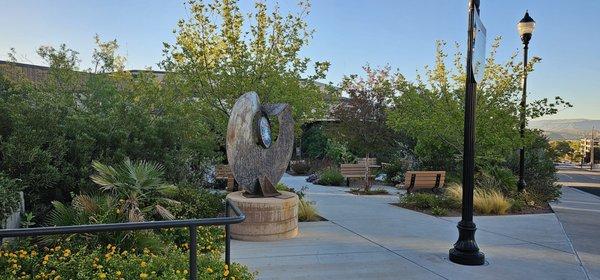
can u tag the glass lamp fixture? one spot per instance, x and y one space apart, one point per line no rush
526 26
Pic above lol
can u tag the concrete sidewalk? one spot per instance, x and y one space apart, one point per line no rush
579 212
367 238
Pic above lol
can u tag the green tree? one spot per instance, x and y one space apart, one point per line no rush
105 57
362 117
431 110
220 53
561 150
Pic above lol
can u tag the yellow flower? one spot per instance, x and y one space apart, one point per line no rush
118 273
102 275
225 273
143 264
209 270
143 275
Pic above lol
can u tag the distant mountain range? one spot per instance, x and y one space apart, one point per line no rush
566 129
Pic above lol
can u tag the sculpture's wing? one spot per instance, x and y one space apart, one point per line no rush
243 153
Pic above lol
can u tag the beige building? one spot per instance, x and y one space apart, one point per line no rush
586 145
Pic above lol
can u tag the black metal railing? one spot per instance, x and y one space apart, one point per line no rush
192 224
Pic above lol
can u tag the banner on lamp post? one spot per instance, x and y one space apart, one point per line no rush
479 38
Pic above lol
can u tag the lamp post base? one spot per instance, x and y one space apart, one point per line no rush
465 250
521 185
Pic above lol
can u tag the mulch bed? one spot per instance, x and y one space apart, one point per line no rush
457 212
372 192
319 219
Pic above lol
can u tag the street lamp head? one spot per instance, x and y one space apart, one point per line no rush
526 27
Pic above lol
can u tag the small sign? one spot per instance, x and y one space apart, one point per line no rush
478 48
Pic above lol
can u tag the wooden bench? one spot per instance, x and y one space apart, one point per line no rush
223 172
414 180
355 171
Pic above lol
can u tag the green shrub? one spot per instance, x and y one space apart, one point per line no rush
517 204
439 211
50 135
540 172
283 187
497 178
423 201
331 177
314 142
419 201
198 203
300 167
134 192
9 196
111 262
397 167
338 152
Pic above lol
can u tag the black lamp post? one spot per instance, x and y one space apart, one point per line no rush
525 27
465 250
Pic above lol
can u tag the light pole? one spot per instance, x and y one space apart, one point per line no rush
592 150
525 27
465 250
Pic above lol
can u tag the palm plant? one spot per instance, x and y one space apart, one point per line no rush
95 209
139 187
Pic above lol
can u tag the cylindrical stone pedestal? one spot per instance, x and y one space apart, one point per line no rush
267 218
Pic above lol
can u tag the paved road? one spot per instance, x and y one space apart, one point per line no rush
579 212
579 178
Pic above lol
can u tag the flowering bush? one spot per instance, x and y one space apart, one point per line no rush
110 262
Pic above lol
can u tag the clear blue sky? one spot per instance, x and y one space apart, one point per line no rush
349 33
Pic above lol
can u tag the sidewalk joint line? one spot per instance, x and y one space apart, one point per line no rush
587 275
389 250
316 254
519 239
